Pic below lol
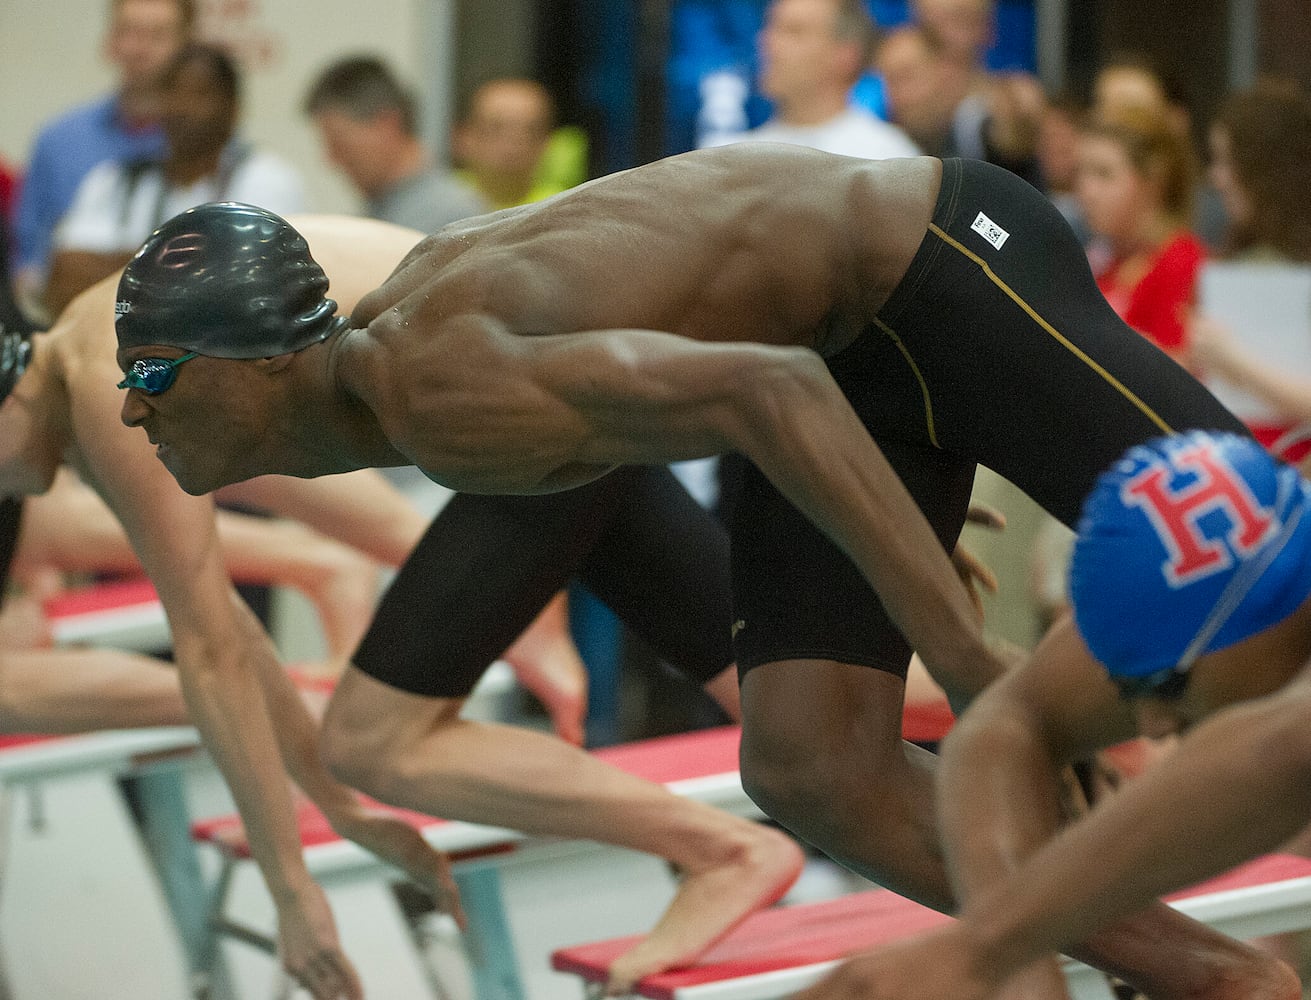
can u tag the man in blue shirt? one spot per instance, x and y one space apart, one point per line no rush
142 38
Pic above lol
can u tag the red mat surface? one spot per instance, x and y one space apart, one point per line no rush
812 933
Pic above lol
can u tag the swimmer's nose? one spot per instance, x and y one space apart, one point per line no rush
134 408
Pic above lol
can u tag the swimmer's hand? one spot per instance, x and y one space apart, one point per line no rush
398 843
23 625
974 574
971 570
310 950
927 967
985 516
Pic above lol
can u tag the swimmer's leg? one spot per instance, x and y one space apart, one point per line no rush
83 690
414 751
822 753
393 727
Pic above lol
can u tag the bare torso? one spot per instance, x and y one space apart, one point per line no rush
763 243
753 244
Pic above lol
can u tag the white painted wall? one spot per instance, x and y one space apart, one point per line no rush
50 59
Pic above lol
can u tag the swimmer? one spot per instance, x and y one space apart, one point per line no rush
480 576
56 409
1190 582
864 332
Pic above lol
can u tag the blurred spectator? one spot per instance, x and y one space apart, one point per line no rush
501 140
8 192
366 120
1058 159
963 31
994 117
812 53
11 316
911 66
1260 145
953 108
1130 80
1136 182
118 204
141 40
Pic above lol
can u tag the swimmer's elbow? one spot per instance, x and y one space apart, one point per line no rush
1277 727
1003 723
779 388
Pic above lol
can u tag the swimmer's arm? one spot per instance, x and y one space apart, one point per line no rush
251 718
220 649
70 529
1029 887
642 396
1001 791
360 509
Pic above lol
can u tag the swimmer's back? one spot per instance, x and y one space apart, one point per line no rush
753 242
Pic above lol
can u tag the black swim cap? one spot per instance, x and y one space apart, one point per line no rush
15 352
226 280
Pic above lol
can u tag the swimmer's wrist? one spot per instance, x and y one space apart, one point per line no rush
292 888
982 952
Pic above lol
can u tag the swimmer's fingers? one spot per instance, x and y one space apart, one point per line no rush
974 574
985 516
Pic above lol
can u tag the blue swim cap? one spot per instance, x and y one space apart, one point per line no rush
227 280
1187 545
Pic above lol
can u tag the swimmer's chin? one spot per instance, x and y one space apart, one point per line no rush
574 474
191 483
566 477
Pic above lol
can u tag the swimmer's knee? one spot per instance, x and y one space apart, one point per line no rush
343 753
803 780
374 747
354 746
787 778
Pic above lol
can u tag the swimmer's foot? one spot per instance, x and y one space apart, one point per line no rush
710 902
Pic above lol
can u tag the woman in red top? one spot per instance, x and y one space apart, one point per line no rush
1135 183
1260 144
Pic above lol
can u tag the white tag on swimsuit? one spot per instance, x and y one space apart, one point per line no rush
989 230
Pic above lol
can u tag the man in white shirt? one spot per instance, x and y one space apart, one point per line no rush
119 204
812 53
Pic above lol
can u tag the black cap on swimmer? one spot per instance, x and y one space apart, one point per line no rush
225 280
15 352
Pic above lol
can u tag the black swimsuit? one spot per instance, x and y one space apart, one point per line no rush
996 348
11 511
489 564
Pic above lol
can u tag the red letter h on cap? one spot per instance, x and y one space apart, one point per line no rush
1174 515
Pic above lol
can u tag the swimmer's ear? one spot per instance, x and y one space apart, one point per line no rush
275 363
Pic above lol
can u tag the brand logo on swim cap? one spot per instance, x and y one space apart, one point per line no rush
1176 513
121 309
